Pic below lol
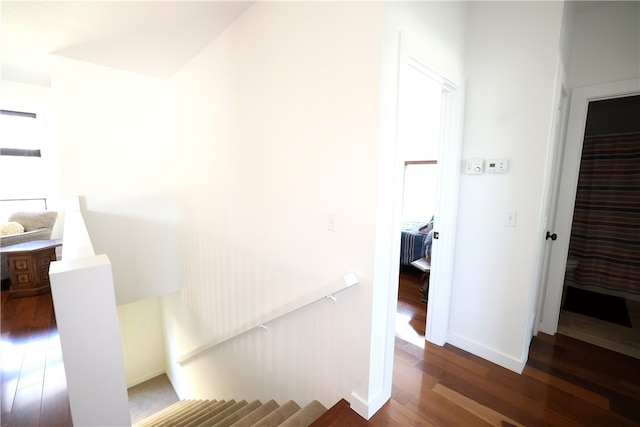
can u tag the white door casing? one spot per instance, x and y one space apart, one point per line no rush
410 53
414 55
580 98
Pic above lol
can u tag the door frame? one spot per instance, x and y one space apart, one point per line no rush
580 99
415 55
389 215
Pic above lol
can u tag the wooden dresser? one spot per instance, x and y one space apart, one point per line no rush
29 266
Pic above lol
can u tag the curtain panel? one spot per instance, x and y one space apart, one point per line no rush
605 235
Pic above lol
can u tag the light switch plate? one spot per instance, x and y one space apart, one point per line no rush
510 218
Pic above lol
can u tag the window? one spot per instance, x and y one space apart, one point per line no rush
419 198
20 133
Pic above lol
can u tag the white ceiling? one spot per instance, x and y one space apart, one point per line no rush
154 37
150 37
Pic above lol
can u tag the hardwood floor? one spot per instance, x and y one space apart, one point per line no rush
33 383
565 383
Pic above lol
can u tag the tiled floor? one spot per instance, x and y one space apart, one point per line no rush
604 334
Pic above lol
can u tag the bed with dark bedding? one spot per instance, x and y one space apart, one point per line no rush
415 242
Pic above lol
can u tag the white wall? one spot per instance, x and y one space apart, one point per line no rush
114 141
606 44
141 339
278 126
566 33
512 58
114 136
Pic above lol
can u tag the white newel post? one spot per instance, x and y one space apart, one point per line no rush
86 314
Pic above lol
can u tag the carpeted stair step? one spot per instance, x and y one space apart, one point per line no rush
213 413
278 416
240 413
165 412
184 416
206 413
170 413
305 416
222 414
257 414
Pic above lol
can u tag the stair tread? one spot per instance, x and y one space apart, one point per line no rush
171 412
278 416
240 413
219 416
205 412
214 413
163 413
257 414
305 416
182 416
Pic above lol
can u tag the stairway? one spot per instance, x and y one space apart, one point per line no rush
220 413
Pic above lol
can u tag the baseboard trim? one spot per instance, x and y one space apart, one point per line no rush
144 378
490 354
366 409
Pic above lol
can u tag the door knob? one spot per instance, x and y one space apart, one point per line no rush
553 236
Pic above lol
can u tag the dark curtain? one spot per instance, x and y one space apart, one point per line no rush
605 236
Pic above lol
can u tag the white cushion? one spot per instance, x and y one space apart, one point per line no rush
12 227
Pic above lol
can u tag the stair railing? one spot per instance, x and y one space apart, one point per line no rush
326 293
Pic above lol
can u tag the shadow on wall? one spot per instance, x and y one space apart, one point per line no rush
140 238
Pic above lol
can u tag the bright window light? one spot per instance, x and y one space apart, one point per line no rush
419 199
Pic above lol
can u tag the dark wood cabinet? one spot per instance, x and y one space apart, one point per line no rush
29 266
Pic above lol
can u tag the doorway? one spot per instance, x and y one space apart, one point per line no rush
429 133
418 137
585 125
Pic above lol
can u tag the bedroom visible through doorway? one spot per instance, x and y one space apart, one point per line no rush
419 123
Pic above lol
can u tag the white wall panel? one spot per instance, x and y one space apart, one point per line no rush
116 154
278 127
512 57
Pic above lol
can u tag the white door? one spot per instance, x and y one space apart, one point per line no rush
449 148
551 204
580 98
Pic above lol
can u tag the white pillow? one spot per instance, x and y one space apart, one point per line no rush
8 228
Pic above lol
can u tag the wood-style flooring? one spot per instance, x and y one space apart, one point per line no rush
565 383
33 383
